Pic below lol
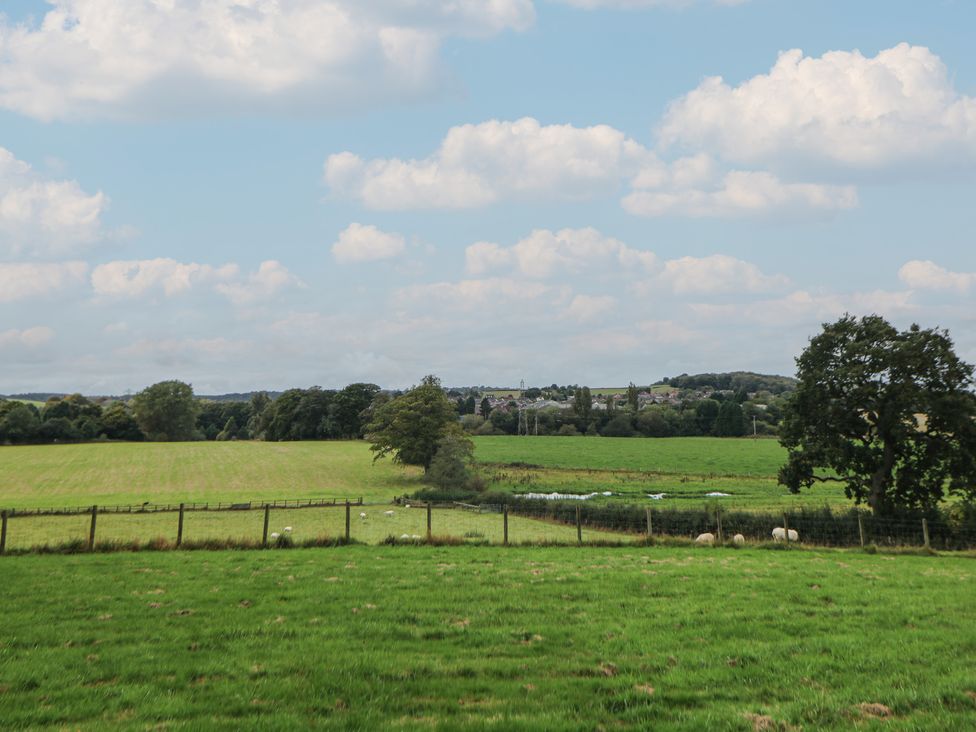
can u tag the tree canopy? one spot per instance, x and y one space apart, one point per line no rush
410 426
890 414
167 411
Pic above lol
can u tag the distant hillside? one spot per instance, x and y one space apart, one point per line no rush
735 380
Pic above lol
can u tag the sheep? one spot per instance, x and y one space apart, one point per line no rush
362 516
705 539
405 536
388 513
287 528
407 506
779 534
275 534
738 540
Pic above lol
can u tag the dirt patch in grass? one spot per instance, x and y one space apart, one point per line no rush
873 710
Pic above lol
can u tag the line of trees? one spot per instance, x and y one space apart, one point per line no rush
169 411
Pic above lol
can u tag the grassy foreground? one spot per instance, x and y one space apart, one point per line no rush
472 637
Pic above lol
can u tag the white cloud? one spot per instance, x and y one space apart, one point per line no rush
470 294
587 308
927 275
42 218
22 280
479 164
29 338
716 274
366 243
544 253
803 308
271 278
742 193
641 4
133 278
138 57
842 108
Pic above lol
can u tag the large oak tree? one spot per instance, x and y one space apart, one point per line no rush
889 414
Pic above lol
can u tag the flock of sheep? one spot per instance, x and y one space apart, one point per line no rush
779 534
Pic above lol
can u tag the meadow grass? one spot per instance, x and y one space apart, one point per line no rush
160 472
686 469
306 524
410 637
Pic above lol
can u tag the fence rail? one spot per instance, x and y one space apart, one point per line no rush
567 523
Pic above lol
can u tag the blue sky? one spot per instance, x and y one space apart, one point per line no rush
252 194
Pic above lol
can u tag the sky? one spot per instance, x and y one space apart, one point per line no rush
263 194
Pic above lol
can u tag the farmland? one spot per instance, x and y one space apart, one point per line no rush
474 637
685 469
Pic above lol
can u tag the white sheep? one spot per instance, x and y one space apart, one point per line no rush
704 539
405 536
275 534
287 528
362 516
779 534
738 540
407 506
388 513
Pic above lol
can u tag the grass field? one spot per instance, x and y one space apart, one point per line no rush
123 473
686 469
488 638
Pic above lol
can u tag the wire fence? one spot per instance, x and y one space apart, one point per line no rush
281 523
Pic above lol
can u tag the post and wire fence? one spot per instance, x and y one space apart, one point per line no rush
329 522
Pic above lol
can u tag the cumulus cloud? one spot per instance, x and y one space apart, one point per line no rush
586 308
366 243
28 339
103 57
43 218
271 278
927 275
544 253
742 193
718 273
807 308
476 165
21 280
842 108
643 4
133 278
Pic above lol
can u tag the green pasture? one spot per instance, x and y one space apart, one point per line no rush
307 523
159 472
488 638
685 469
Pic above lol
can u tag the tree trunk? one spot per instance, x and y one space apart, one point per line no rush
878 500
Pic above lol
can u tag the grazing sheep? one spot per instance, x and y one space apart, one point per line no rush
405 536
704 539
407 506
275 534
287 528
738 540
362 516
779 534
388 513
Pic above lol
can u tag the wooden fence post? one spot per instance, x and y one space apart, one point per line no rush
267 520
579 527
179 528
650 525
91 531
3 532
860 527
925 533
786 528
428 521
347 520
504 522
718 522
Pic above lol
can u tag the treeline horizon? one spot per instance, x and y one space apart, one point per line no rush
170 411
